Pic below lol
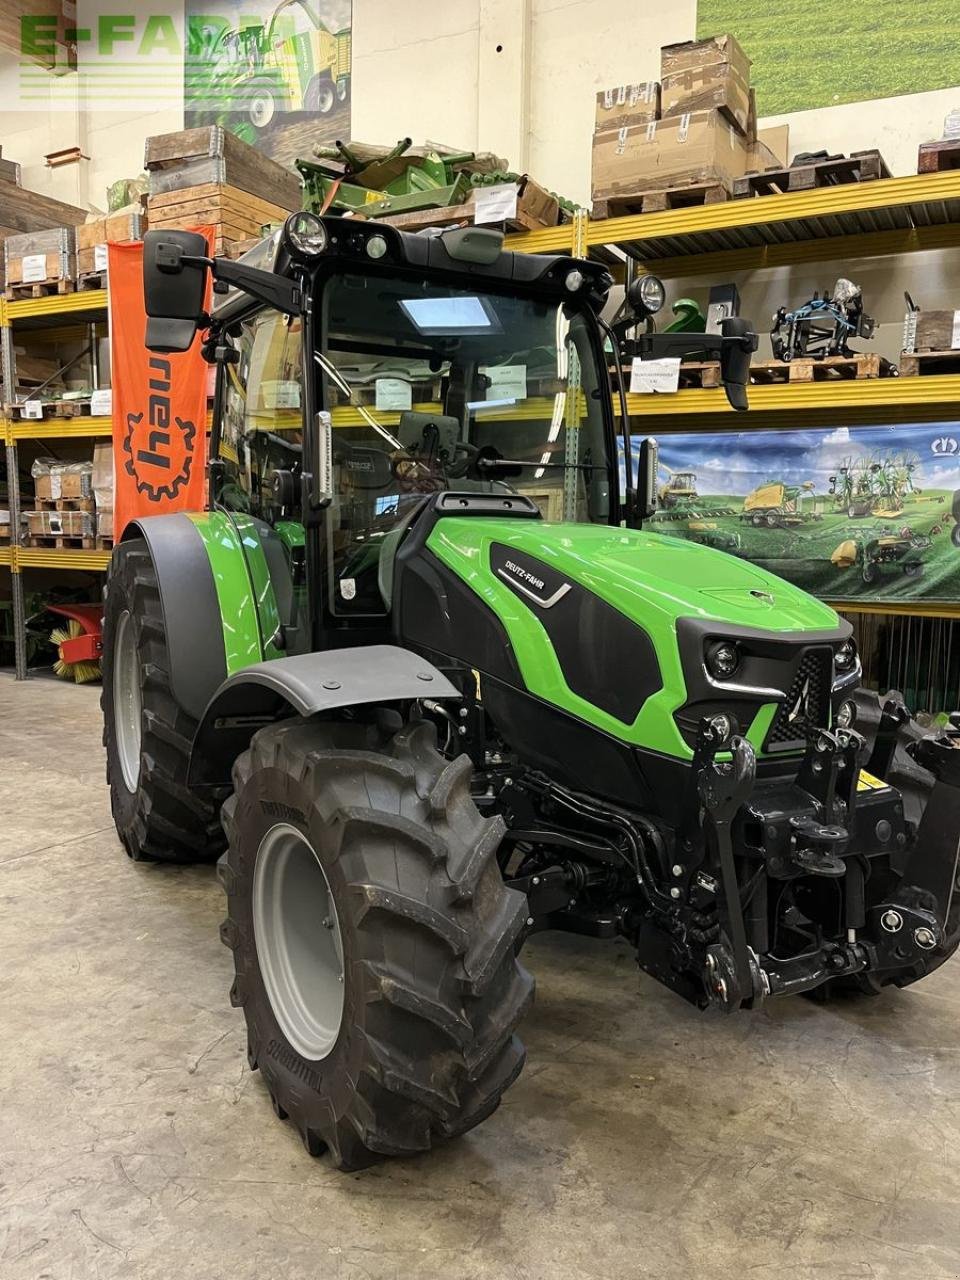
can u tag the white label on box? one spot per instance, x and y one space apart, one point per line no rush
101 403
684 130
100 257
647 376
955 335
32 409
34 268
493 204
393 393
651 132
507 381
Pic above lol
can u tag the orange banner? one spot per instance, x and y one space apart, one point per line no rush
159 406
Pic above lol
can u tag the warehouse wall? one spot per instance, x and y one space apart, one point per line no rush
513 76
895 126
517 77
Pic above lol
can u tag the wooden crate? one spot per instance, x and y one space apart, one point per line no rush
830 368
935 157
657 201
213 155
236 215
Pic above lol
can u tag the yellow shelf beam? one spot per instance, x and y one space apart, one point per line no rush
911 608
895 208
60 428
6 554
838 397
57 305
51 558
867 244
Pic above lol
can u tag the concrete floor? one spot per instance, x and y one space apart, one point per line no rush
642 1139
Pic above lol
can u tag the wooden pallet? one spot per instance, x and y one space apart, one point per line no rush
54 409
919 363
104 543
41 289
658 201
60 542
64 504
935 157
91 280
859 166
831 368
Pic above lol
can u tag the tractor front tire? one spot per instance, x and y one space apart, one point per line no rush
374 940
147 735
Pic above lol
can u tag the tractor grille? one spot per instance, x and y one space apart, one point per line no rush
807 706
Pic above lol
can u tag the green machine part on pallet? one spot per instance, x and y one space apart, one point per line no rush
376 181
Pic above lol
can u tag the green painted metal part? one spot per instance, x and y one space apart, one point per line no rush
235 591
652 580
264 596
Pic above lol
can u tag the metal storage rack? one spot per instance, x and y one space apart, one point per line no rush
60 311
887 216
856 220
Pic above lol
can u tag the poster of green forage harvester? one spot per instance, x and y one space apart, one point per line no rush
275 72
849 513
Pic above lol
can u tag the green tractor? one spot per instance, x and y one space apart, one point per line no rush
423 681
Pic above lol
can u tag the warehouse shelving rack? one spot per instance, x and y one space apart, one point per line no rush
889 216
885 217
46 313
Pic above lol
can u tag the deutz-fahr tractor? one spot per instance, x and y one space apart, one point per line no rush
421 673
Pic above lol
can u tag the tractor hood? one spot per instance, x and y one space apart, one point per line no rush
647 576
589 620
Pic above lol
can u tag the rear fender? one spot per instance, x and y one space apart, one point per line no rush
304 685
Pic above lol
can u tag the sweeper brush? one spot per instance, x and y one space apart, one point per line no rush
78 642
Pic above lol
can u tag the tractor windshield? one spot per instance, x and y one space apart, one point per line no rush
432 388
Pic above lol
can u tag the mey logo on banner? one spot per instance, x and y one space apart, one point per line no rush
160 445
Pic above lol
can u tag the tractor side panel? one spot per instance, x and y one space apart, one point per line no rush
239 619
191 608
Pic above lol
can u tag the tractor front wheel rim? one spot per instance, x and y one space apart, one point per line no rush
127 701
298 941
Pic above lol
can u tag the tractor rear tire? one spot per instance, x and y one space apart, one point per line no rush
147 735
357 856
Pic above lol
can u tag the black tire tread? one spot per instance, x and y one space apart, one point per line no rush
439 1043
166 822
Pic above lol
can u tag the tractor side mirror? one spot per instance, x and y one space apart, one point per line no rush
740 342
174 285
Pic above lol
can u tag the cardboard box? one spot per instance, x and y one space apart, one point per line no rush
699 53
53 480
777 140
627 104
103 484
70 524
690 150
707 74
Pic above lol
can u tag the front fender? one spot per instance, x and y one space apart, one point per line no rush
209 610
305 685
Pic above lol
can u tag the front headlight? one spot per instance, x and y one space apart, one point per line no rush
722 659
652 294
845 658
305 235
